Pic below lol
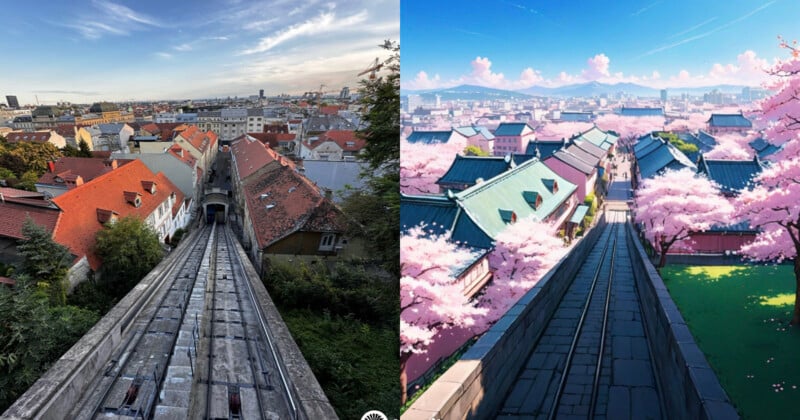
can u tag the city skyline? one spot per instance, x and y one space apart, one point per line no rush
97 50
513 45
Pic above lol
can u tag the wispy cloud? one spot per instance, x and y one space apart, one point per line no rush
165 55
705 34
644 9
109 18
698 26
464 31
182 47
324 23
68 92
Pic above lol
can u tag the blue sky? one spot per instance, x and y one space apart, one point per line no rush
658 43
91 50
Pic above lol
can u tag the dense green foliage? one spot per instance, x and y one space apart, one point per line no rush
129 249
673 138
176 237
473 150
24 157
375 210
344 320
34 335
44 260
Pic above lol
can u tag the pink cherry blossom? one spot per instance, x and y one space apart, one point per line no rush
673 205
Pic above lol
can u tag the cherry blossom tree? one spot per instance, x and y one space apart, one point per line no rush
430 300
774 204
780 113
630 127
696 121
561 130
673 205
523 254
774 207
421 165
732 146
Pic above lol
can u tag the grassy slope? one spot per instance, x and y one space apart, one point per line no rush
356 364
739 316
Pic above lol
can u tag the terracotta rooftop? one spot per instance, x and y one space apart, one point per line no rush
273 139
151 128
69 168
200 140
66 130
182 155
15 193
79 222
39 136
251 155
14 211
282 202
346 139
168 130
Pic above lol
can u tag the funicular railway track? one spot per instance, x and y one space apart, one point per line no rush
572 367
245 378
223 342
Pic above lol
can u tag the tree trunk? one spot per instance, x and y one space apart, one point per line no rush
663 257
796 314
403 378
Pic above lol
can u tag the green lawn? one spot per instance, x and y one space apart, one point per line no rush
739 316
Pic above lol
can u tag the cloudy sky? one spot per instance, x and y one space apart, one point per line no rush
515 44
91 50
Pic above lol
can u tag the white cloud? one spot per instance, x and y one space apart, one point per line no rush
423 81
324 23
164 55
183 47
598 67
110 18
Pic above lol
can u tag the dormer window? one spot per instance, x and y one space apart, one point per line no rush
508 216
133 198
149 186
107 216
551 185
533 198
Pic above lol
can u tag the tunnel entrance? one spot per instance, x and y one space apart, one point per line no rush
216 213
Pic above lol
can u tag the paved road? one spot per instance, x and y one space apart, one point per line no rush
627 386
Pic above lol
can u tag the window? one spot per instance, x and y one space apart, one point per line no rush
326 244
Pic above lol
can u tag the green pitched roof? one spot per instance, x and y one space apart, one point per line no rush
487 203
599 138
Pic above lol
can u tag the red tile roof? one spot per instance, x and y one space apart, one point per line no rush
200 140
14 211
168 130
330 110
346 139
69 168
273 139
79 222
15 193
282 202
66 130
182 155
151 128
251 155
39 136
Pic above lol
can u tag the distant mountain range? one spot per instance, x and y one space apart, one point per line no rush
586 90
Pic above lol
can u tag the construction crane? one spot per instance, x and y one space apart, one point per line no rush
372 69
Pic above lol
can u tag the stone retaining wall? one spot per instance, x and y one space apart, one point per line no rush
688 386
492 363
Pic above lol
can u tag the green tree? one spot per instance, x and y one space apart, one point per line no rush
375 210
69 151
83 149
381 99
473 150
44 260
33 336
129 249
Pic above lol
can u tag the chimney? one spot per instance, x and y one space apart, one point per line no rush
79 180
114 164
51 166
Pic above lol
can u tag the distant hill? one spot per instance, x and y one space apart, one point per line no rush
467 93
591 89
585 90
